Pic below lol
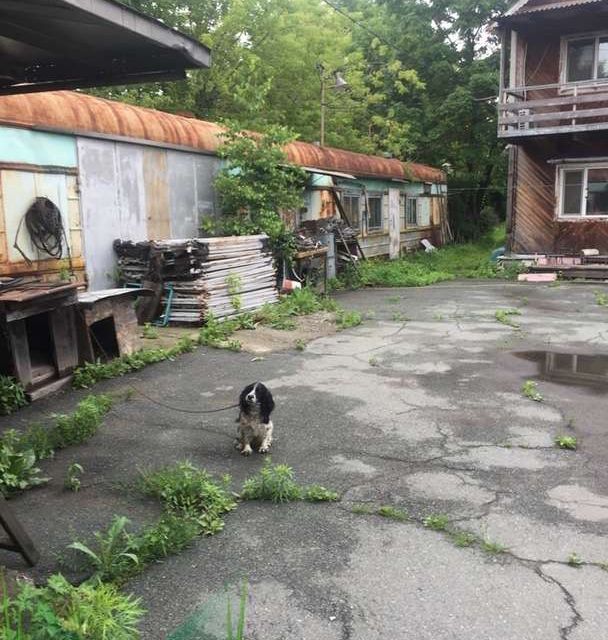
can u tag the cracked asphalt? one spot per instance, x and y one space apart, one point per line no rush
420 408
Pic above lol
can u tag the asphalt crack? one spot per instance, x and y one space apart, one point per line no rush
577 617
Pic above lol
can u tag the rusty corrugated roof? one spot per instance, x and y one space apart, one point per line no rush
533 6
78 113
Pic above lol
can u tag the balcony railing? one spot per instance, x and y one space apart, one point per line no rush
552 109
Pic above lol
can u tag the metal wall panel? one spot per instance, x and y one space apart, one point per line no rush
206 168
182 194
21 146
112 203
156 184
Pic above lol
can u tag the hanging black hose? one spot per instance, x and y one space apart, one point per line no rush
45 226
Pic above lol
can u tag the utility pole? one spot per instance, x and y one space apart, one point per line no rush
339 85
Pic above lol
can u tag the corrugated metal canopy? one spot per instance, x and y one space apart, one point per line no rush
520 10
78 113
51 44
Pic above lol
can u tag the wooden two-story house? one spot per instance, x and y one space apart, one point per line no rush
553 114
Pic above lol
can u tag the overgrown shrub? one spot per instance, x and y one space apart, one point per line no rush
82 424
12 395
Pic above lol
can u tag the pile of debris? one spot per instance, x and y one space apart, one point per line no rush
202 276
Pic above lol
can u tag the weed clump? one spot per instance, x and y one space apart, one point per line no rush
275 482
530 390
436 522
93 610
566 442
504 316
392 513
189 492
12 395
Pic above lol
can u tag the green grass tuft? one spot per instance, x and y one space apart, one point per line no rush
392 513
436 522
566 442
530 390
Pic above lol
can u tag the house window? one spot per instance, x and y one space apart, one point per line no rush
374 220
411 215
351 204
587 58
584 192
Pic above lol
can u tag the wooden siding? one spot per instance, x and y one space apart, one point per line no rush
536 228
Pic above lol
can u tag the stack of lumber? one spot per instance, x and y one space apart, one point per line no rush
202 276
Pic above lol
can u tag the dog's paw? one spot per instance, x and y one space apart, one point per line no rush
246 451
264 449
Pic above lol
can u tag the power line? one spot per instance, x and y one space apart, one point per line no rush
363 26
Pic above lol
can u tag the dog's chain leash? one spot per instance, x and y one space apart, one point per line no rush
179 409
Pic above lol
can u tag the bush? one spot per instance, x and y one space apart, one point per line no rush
12 395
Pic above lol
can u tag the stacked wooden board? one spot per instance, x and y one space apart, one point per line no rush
202 276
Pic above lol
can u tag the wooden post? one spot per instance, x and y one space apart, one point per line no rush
19 542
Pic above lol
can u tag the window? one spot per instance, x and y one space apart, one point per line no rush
374 220
411 216
584 191
351 204
587 58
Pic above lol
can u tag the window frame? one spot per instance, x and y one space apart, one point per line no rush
565 41
561 186
375 195
411 201
358 196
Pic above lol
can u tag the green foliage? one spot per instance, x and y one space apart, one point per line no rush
72 481
149 331
317 493
93 610
392 513
256 184
240 627
80 426
463 538
216 333
566 442
300 344
346 319
189 492
436 522
92 372
504 316
492 547
301 302
61 611
19 452
234 284
18 470
601 299
113 554
12 395
530 390
274 483
574 560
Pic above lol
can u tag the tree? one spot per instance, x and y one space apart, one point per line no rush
257 184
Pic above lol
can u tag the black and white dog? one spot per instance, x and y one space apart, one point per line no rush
255 426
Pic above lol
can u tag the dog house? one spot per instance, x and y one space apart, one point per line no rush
38 335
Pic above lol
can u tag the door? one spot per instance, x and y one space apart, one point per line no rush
394 232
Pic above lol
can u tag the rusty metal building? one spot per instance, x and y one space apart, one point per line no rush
119 171
553 113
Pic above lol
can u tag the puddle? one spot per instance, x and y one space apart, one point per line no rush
570 368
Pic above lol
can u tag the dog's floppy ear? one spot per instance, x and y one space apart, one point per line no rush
243 397
266 403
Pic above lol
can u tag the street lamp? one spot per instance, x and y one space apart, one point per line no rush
340 84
